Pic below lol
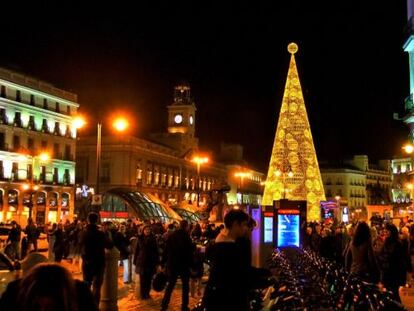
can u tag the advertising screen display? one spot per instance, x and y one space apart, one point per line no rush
288 230
268 229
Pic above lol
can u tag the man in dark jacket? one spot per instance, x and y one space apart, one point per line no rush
14 239
121 242
228 285
93 243
178 257
32 233
146 259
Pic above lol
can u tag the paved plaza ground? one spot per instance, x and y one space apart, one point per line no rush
127 300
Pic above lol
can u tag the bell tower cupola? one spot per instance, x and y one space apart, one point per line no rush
181 113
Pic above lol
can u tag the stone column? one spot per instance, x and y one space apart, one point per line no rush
109 290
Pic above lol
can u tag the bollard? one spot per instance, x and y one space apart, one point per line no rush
109 290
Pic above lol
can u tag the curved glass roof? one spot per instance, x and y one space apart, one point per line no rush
187 215
141 205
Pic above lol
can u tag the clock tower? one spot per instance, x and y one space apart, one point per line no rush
181 113
181 122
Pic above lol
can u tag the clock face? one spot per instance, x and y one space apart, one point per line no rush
178 118
191 120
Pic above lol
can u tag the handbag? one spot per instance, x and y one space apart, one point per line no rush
159 281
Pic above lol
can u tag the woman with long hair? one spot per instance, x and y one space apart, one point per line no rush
360 259
392 264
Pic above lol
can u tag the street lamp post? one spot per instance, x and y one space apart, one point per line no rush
199 161
120 124
44 157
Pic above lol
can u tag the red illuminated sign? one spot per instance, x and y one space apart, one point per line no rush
288 212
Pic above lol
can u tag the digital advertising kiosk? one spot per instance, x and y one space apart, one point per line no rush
278 226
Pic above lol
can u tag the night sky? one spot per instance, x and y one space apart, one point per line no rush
353 70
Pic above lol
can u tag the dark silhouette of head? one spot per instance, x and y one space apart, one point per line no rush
362 234
48 287
93 218
184 225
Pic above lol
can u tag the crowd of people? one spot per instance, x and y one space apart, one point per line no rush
381 253
176 249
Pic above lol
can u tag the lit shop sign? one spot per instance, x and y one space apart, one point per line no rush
288 228
345 214
268 229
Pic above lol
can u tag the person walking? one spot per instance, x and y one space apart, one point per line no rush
178 259
93 243
51 239
59 244
32 233
146 260
14 240
121 242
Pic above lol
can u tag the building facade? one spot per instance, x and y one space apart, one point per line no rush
37 149
346 183
358 184
161 166
149 167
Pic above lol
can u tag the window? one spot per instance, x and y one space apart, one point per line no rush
15 171
67 133
1 170
42 174
18 96
29 172
32 100
3 116
56 130
45 105
66 177
105 172
55 175
16 142
139 173
2 141
31 125
3 91
30 143
57 107
43 144
68 153
45 128
17 119
56 151
68 110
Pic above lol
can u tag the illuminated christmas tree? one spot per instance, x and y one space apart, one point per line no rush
293 170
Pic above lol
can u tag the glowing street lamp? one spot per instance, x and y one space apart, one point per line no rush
408 148
199 160
120 124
